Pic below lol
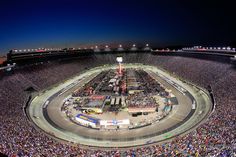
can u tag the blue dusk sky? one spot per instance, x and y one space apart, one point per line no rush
70 23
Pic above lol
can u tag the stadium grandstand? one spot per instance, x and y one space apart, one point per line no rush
26 72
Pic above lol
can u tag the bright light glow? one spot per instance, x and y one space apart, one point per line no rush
134 45
147 45
120 45
119 59
106 46
96 46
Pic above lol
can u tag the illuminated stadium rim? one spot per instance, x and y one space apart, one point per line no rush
179 124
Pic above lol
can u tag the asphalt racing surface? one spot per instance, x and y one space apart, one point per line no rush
45 112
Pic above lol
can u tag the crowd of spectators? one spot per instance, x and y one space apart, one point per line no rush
90 87
147 83
141 100
216 136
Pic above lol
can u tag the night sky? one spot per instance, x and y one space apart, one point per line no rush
71 23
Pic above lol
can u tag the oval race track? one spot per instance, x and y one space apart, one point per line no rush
45 112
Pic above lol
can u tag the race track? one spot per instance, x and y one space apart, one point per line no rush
45 112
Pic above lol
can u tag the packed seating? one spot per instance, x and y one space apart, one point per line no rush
216 136
141 100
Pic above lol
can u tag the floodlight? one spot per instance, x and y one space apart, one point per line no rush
119 59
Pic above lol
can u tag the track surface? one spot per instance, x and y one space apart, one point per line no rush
182 118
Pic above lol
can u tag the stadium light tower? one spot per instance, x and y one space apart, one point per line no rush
96 49
147 48
120 48
134 48
107 48
119 60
